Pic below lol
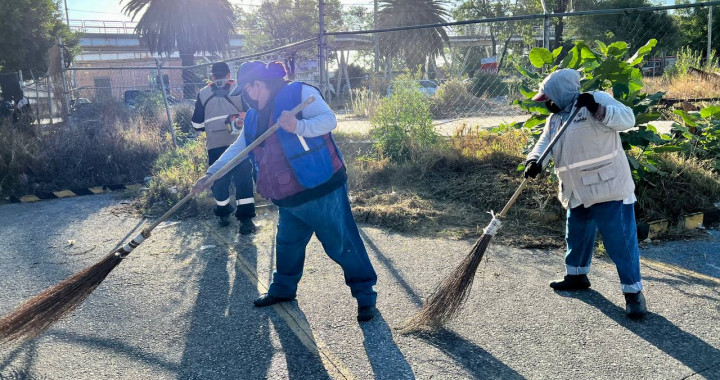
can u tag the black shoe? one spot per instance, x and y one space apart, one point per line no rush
635 305
247 227
268 300
366 313
223 221
572 282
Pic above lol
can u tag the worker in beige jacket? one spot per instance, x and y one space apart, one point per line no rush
596 185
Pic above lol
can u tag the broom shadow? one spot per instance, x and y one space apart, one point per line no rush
684 347
478 362
473 358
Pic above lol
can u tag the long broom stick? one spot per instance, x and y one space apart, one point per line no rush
38 313
450 295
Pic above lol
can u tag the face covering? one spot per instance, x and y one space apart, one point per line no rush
552 107
251 103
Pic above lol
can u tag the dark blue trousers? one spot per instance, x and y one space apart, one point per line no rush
330 219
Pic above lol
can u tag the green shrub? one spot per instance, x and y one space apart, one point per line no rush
402 124
452 98
182 117
488 85
687 58
174 173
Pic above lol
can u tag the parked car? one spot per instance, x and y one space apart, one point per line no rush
427 87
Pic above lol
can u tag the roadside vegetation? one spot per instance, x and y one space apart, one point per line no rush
404 176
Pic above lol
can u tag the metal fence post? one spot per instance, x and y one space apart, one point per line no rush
546 26
37 97
50 102
167 106
709 44
64 82
321 48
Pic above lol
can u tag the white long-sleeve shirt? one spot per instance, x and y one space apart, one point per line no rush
317 120
612 114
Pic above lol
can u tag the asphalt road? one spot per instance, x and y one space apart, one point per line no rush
180 307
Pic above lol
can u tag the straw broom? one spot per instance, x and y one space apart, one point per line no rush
38 313
449 296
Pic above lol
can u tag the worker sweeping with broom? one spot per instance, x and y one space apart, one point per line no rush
582 136
300 169
596 184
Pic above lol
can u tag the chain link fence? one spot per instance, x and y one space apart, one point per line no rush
467 70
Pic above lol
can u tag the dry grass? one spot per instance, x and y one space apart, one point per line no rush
110 147
450 190
688 86
690 184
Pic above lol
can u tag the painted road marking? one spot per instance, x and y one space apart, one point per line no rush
298 325
674 268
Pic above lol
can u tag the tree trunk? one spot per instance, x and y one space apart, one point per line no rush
502 57
188 59
560 25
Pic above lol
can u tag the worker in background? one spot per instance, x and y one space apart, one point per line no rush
213 106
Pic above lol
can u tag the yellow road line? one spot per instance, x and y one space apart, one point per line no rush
298 325
674 268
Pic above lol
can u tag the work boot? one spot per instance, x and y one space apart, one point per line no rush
268 300
247 227
366 313
224 221
635 305
572 282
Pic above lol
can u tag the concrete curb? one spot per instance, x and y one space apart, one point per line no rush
690 221
29 198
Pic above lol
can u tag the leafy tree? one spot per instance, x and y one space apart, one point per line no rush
633 28
28 29
190 26
500 33
417 47
693 23
280 22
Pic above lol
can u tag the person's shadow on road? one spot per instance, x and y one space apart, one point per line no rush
386 359
686 348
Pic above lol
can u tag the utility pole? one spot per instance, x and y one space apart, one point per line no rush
67 17
376 37
321 48
546 26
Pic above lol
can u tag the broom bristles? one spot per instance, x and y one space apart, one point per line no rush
38 313
446 301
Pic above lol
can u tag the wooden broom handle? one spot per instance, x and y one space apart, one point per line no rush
540 160
125 250
231 164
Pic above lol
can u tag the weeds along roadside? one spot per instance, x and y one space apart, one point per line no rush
106 144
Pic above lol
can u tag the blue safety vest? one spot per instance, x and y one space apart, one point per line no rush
309 157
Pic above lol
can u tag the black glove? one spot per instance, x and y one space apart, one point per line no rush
587 100
532 168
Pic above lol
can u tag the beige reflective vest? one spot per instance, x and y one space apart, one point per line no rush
589 158
217 109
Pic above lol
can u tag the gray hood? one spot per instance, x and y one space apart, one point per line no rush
562 87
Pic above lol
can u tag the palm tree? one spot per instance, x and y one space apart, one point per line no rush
418 47
191 26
